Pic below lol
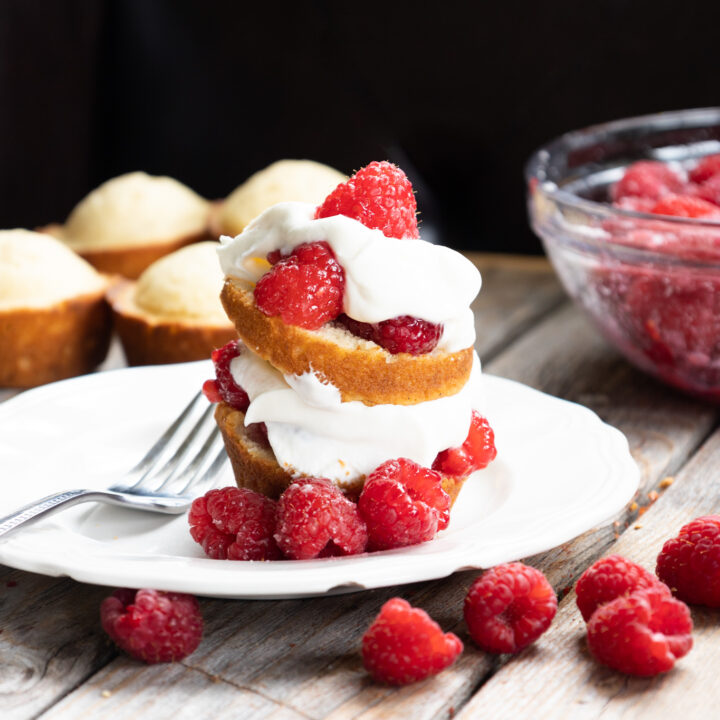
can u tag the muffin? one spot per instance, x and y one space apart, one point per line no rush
300 180
173 312
54 321
132 220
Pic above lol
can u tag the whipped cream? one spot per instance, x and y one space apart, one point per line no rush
384 277
313 433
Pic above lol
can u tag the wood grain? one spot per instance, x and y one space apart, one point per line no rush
516 293
560 679
50 640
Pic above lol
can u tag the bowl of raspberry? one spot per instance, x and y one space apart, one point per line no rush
629 215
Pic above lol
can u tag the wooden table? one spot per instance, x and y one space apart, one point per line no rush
299 659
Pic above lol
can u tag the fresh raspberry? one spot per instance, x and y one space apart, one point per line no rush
305 288
689 564
152 625
211 391
649 179
476 453
234 524
314 518
404 645
257 432
708 167
686 206
274 257
380 197
403 503
509 607
403 334
609 578
224 386
643 633
709 190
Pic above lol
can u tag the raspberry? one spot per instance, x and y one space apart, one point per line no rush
708 167
224 386
403 503
643 633
152 625
257 432
305 288
476 453
403 334
649 179
404 645
314 516
234 524
509 607
690 563
709 190
609 578
380 197
686 206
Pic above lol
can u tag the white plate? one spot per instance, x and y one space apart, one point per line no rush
559 472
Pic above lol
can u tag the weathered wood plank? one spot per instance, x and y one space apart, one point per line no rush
50 639
560 679
516 293
321 674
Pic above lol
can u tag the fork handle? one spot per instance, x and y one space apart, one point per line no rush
40 508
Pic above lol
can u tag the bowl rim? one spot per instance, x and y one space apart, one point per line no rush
537 164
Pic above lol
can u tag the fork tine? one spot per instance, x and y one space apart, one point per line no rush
163 441
180 476
162 473
198 483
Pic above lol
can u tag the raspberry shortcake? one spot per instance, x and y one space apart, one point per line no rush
355 361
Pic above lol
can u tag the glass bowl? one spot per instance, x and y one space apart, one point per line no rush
651 283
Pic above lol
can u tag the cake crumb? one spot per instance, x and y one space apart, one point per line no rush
667 481
638 526
633 506
106 693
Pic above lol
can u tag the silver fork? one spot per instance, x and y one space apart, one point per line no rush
166 480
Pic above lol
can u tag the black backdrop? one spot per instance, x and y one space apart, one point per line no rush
210 91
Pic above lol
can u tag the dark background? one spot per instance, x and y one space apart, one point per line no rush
459 94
